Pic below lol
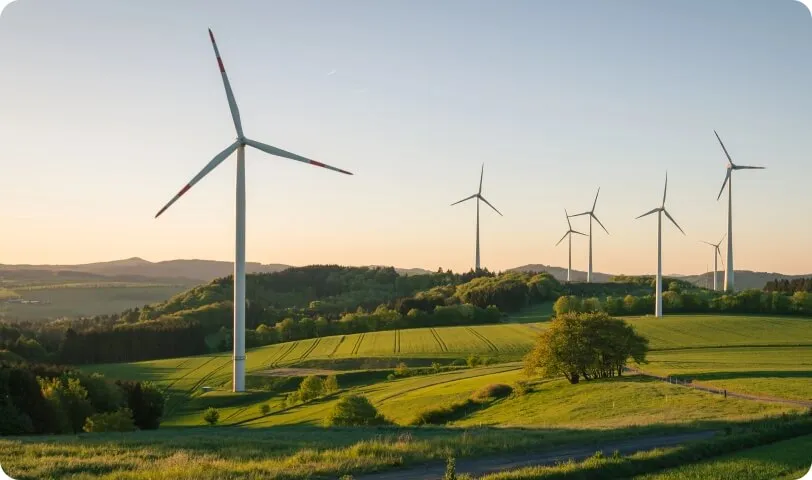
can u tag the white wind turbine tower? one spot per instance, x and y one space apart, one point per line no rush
658 305
591 214
729 280
478 197
569 233
238 381
717 254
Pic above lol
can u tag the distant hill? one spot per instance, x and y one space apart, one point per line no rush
137 269
745 279
560 273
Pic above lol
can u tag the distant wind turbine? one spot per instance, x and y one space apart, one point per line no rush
658 306
591 214
717 254
729 280
238 381
478 197
569 233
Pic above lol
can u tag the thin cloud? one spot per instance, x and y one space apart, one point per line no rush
332 72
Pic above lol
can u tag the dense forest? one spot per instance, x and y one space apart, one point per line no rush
789 286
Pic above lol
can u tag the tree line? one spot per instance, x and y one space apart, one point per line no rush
42 398
696 301
789 286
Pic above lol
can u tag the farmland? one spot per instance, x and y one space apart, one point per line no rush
81 299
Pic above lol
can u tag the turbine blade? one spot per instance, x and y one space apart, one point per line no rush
489 204
720 240
562 238
579 233
217 160
580 214
464 199
665 190
723 147
648 213
744 167
708 243
481 174
721 258
282 153
232 104
673 221
599 223
727 177
596 199
568 219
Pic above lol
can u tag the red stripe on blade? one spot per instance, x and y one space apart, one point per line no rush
220 63
211 35
318 164
184 190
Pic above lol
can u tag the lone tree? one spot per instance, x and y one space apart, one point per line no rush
588 345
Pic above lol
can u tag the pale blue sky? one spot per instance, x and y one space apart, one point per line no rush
108 108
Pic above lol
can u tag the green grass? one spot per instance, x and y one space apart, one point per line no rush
83 299
771 371
785 460
536 313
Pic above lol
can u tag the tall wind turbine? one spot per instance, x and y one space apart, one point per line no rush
729 281
238 381
717 254
569 233
478 196
591 214
658 305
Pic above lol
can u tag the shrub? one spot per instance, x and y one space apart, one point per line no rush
119 421
450 469
458 362
493 390
473 360
521 388
311 387
211 416
331 384
401 370
354 410
445 413
264 409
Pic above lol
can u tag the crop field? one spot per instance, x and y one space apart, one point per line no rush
82 299
785 460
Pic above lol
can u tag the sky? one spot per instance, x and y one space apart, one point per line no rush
108 108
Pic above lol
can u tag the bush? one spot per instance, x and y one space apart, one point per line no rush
521 388
211 416
493 390
119 421
401 370
264 409
331 384
473 360
311 387
352 411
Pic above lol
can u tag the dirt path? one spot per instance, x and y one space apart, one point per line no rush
720 391
482 466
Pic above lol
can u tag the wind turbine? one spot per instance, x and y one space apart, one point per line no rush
717 254
591 214
658 305
238 381
569 233
729 280
478 197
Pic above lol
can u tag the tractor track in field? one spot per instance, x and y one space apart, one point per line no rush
310 349
456 379
357 344
285 353
491 346
189 372
439 340
338 344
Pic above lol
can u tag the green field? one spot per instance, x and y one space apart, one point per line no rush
82 299
678 344
786 460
